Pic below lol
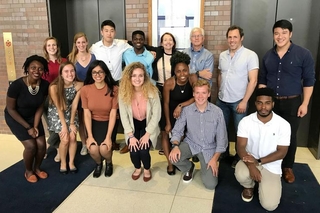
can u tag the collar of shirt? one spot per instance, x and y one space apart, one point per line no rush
141 54
114 43
289 49
199 51
238 51
256 119
195 108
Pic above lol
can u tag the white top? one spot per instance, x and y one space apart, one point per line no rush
235 73
263 139
111 55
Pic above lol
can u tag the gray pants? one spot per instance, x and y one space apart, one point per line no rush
184 164
270 187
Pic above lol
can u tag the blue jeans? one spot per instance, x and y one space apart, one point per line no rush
228 109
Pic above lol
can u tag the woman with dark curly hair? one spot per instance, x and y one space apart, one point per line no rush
177 93
99 99
24 107
140 112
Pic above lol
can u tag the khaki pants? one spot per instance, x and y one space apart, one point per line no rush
270 188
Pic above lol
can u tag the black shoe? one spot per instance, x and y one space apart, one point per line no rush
97 170
63 171
173 172
109 170
195 159
74 170
189 174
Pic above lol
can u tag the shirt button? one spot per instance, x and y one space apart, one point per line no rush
277 86
279 70
279 62
278 79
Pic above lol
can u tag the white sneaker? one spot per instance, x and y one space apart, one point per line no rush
84 150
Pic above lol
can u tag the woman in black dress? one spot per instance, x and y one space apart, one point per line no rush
24 107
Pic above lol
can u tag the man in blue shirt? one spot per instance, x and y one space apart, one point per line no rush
201 59
237 79
289 70
205 137
139 53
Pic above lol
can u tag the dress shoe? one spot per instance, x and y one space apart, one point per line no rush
97 170
74 170
124 150
31 178
247 194
288 175
135 177
109 170
189 174
41 174
115 146
63 171
146 179
173 172
195 159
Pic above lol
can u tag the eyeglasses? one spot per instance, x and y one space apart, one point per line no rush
196 36
36 68
97 73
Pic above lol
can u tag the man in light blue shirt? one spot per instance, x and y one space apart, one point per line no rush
237 79
139 52
201 59
206 137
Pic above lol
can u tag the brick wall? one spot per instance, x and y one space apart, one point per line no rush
28 22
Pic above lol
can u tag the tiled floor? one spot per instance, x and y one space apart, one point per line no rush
119 193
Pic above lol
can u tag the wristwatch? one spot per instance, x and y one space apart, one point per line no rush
174 145
259 162
197 73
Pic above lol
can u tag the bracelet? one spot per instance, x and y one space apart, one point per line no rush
131 136
28 128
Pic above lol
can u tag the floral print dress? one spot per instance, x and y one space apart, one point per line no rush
54 122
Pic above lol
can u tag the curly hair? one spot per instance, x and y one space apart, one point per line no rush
179 57
74 52
111 83
126 89
45 52
40 59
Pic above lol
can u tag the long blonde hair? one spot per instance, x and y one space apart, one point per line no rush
45 52
73 54
126 89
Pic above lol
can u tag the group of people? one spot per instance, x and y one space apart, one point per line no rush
164 91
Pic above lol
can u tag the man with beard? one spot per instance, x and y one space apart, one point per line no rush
263 140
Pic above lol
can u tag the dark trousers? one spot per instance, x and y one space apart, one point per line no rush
141 155
288 109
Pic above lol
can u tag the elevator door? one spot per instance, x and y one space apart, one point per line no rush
257 19
68 17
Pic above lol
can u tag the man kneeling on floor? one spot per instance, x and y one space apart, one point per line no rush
205 137
263 140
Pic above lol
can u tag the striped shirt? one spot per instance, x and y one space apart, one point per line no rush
206 131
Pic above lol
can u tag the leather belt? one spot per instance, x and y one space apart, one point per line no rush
286 97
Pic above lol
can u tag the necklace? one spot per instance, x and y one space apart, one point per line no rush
31 90
182 90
